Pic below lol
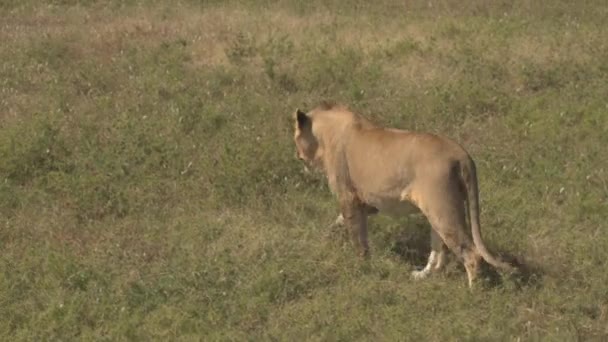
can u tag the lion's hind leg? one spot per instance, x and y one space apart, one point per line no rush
443 206
451 227
436 259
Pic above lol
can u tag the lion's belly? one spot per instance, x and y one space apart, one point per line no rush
391 206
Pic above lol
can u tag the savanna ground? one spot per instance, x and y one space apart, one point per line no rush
149 188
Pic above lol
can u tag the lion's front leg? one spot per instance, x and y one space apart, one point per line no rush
369 210
355 219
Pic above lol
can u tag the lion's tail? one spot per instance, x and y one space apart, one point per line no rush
469 178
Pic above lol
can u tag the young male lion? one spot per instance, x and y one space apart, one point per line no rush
371 168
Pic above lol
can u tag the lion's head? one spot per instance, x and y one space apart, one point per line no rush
307 145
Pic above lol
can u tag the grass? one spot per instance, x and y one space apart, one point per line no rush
149 188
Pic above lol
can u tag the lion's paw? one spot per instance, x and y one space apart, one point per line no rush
419 275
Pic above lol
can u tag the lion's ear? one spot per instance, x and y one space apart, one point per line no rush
303 119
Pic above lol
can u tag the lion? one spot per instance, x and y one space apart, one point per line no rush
373 169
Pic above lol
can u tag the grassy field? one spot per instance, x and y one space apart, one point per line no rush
149 188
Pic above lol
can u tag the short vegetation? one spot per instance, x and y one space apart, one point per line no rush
149 188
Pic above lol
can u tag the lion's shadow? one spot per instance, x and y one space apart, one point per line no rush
412 245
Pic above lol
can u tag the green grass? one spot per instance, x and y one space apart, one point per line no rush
149 188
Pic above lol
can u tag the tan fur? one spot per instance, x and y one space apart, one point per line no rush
371 168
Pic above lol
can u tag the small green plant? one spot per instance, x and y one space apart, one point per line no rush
240 48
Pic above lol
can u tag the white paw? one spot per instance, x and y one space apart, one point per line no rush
419 275
339 220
